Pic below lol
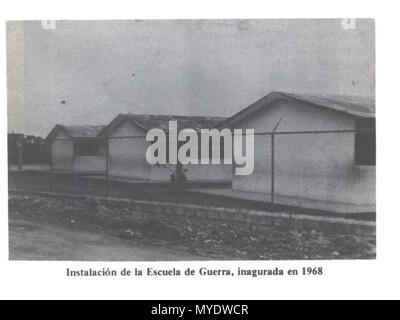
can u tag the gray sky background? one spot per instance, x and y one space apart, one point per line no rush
203 67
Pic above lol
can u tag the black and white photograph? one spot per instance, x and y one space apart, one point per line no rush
199 157
191 140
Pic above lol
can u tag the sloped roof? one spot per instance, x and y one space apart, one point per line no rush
148 121
357 106
87 131
350 105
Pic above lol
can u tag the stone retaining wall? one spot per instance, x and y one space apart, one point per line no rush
246 219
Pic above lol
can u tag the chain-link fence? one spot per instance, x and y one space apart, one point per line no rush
293 167
335 166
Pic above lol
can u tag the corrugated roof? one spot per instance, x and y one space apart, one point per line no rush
84 131
150 121
358 106
350 105
87 131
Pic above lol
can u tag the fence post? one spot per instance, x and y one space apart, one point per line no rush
107 155
272 169
107 166
273 162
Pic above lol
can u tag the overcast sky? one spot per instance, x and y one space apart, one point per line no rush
86 72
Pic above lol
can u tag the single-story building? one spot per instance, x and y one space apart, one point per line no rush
127 148
77 149
336 167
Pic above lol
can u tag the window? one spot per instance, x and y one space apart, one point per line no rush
365 143
89 148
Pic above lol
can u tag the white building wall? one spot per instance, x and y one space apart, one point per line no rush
319 167
194 172
90 164
127 156
209 172
63 159
62 152
162 172
127 159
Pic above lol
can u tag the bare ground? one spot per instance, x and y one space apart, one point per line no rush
48 228
34 240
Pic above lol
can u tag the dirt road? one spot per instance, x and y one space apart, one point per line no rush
31 240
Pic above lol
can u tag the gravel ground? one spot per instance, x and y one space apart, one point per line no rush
39 241
193 238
